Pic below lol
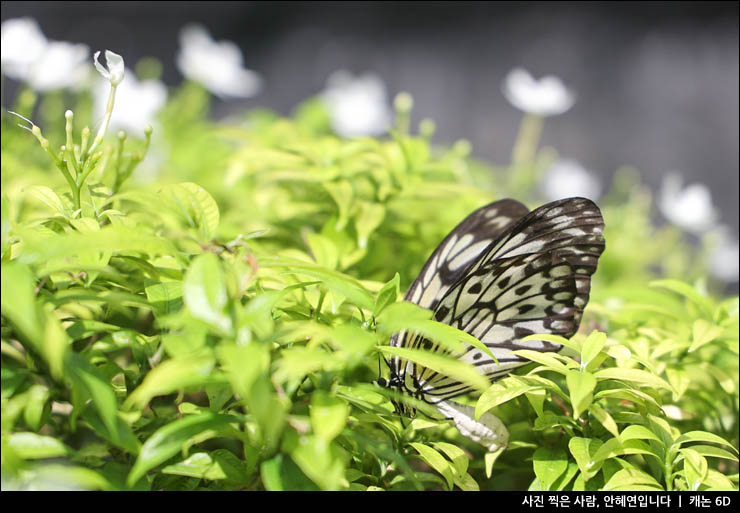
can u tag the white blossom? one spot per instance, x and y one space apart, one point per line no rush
137 102
115 70
44 65
23 43
567 178
545 97
357 106
724 258
689 208
217 66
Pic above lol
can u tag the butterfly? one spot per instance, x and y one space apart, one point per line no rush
502 274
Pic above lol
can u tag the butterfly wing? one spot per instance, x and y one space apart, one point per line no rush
461 248
458 251
534 278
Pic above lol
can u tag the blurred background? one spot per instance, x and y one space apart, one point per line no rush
656 83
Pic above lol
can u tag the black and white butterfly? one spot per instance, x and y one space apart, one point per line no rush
502 274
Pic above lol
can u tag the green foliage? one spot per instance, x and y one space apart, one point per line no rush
221 327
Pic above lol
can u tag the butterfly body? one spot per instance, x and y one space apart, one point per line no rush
502 274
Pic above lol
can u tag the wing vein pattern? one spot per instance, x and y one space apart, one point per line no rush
500 275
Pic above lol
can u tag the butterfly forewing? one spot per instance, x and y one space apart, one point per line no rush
533 278
461 248
458 251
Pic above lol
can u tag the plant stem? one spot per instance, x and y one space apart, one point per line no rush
106 121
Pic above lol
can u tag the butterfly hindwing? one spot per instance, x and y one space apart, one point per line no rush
533 278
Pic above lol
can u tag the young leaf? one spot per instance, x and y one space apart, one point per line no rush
169 440
328 415
387 295
204 292
549 465
581 387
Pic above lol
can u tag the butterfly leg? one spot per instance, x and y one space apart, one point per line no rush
488 431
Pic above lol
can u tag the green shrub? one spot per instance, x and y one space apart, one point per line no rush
221 327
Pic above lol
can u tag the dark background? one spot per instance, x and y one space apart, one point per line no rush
657 83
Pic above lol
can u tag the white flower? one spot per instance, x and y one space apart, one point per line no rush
62 65
115 72
545 97
567 178
357 106
217 66
724 259
44 65
23 43
690 208
137 102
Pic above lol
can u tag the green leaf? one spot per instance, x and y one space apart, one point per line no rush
395 316
172 375
39 247
460 462
711 451
537 399
170 439
615 447
581 387
67 477
323 250
387 295
4 226
218 465
633 480
88 383
548 360
443 364
204 292
195 205
19 302
703 334
718 482
638 432
685 290
165 297
604 418
281 473
501 392
490 459
591 347
332 280
33 414
459 459
320 461
122 436
634 376
555 339
703 436
328 415
50 198
56 343
406 316
679 380
695 468
31 446
218 395
549 465
368 219
297 362
583 450
436 461
342 194
562 482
